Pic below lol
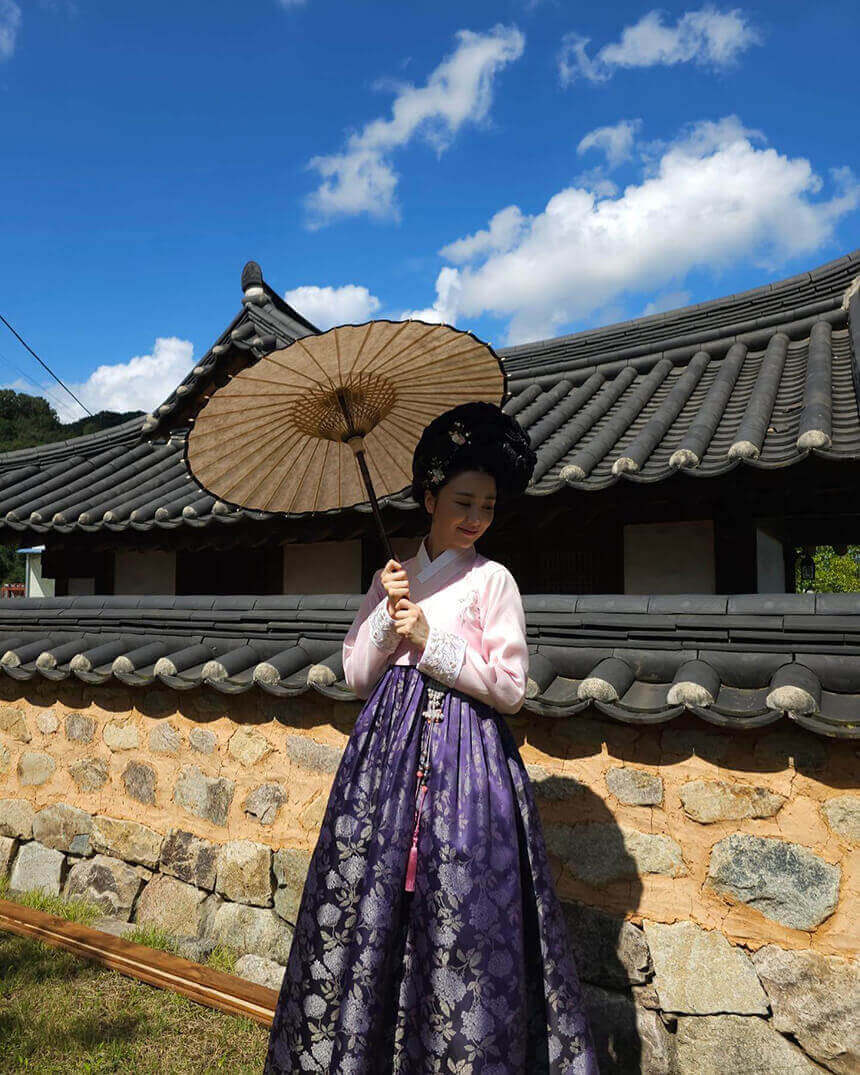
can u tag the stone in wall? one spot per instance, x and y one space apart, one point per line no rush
14 724
80 728
35 768
627 1038
121 735
8 847
698 972
553 787
204 796
47 722
717 1044
127 840
310 754
312 815
108 882
291 870
189 858
264 802
38 867
715 800
174 906
245 873
816 999
248 746
202 740
65 828
140 781
253 930
5 759
16 818
89 774
842 814
608 950
784 881
635 787
600 852
262 971
165 739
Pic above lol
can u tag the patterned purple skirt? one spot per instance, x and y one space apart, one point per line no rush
471 972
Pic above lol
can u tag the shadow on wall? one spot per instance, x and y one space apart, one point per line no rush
611 954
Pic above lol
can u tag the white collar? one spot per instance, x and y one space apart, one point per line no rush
428 567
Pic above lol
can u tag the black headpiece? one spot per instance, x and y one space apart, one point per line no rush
473 436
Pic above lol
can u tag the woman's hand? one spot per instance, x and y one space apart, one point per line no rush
395 583
411 622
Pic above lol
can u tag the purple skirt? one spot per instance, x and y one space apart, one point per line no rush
471 972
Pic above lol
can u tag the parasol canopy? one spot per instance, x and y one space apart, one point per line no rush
332 420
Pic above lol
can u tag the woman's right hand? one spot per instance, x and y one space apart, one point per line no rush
395 583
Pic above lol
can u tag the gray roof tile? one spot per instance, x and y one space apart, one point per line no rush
760 379
638 659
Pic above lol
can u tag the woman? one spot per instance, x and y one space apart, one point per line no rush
429 936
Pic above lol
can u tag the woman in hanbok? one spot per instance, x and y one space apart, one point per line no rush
429 937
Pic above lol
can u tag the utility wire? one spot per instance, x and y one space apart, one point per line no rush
24 343
28 381
41 389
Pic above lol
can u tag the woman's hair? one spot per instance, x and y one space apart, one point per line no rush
473 436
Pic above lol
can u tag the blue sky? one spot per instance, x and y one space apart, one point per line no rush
521 169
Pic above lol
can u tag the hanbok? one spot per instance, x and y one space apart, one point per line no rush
429 937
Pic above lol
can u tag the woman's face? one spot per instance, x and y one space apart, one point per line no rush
462 509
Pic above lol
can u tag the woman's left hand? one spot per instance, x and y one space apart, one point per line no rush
411 622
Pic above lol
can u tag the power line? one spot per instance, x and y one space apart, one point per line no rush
24 343
41 390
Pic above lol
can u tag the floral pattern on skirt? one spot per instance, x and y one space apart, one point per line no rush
470 974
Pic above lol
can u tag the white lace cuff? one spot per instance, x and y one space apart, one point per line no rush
383 629
443 656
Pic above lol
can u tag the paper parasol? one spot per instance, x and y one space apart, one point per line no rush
332 420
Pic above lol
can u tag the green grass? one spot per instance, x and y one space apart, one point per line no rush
74 909
223 958
152 937
60 1015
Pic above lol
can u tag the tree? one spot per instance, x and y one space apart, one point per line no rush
833 573
26 421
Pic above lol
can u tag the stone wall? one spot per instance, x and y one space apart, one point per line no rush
708 877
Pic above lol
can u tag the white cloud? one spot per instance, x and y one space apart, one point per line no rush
707 37
669 300
615 141
707 200
10 24
137 385
362 179
444 309
503 233
327 306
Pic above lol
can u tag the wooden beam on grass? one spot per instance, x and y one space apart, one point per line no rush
204 985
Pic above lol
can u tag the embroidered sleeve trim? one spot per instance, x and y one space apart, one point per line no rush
443 656
383 629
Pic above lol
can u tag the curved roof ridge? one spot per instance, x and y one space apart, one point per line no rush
841 270
86 445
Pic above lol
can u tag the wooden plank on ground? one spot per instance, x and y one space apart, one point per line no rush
226 992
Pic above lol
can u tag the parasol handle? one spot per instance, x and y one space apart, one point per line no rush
356 444
355 440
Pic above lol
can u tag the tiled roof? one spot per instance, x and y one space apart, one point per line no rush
734 661
763 379
265 324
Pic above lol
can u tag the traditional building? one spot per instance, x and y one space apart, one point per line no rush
180 702
692 451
